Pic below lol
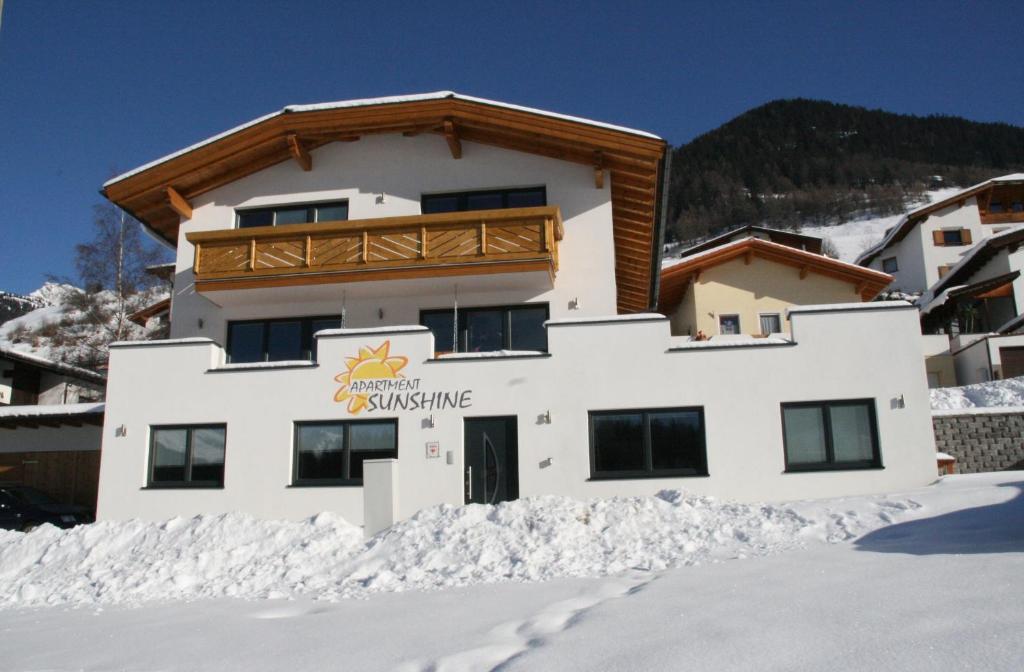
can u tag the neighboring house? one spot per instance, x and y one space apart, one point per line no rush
382 305
928 241
51 417
745 287
978 306
793 239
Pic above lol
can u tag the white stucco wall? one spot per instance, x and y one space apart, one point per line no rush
595 366
402 169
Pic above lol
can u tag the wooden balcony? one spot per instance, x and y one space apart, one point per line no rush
418 246
1012 217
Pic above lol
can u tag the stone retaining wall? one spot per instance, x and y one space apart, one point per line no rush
987 441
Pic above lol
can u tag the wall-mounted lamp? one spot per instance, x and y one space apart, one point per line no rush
899 402
547 417
381 198
430 421
380 313
121 431
200 323
574 303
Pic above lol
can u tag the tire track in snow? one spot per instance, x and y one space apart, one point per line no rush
514 638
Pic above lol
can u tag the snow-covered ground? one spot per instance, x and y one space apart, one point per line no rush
853 237
936 588
996 393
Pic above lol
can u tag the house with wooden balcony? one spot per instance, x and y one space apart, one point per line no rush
930 240
383 305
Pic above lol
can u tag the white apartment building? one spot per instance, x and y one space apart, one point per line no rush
381 305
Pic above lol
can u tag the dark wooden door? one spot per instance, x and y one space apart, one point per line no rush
1013 361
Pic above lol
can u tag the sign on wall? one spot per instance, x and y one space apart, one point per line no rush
373 380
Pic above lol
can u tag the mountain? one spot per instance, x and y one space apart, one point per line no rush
794 162
76 327
16 305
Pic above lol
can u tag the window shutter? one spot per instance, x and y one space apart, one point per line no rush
965 236
937 238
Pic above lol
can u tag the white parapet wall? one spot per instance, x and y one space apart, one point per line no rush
858 351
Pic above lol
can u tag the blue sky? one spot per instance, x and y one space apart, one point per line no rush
89 89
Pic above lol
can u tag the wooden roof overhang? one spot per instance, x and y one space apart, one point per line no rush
159 194
676 280
140 317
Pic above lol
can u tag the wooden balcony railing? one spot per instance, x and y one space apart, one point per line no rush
457 243
1011 217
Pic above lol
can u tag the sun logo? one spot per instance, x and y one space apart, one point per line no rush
369 365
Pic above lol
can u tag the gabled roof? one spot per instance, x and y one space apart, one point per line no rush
50 365
676 279
140 317
156 192
791 238
918 215
971 262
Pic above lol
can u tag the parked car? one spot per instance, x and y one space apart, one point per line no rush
23 508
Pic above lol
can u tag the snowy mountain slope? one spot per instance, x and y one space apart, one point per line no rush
853 237
73 326
16 305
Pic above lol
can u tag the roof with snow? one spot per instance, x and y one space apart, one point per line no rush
50 365
918 215
158 193
791 238
52 415
972 261
676 279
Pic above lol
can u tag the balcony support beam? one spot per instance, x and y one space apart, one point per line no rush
299 152
178 203
451 136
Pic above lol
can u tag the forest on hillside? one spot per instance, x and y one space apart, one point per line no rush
794 162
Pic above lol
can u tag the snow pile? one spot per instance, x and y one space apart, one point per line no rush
443 546
1009 392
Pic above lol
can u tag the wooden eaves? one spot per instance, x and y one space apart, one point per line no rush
634 162
675 280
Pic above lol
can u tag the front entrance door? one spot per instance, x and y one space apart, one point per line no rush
492 464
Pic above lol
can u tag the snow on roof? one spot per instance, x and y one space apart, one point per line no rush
944 456
69 369
403 328
928 299
884 243
840 307
632 317
363 102
778 246
732 341
51 409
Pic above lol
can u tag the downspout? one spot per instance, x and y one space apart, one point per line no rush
658 239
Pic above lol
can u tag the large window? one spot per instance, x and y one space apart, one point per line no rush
647 443
332 453
275 340
293 214
826 435
187 456
493 199
489 329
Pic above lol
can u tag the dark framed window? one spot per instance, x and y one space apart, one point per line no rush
824 435
189 456
488 329
332 452
728 324
771 323
952 237
646 443
276 340
890 265
491 199
308 213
